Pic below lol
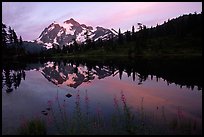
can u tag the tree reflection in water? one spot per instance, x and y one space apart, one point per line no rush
74 72
12 79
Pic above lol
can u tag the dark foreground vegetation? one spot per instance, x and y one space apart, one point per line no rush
122 121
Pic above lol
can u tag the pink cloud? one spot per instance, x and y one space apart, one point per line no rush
157 12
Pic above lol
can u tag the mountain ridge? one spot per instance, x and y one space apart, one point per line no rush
65 33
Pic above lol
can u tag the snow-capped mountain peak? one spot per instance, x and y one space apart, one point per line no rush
64 33
72 21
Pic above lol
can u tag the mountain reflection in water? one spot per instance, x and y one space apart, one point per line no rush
72 75
74 72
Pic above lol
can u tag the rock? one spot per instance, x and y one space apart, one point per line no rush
44 112
48 109
68 95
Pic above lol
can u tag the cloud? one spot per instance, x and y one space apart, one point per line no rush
149 13
121 14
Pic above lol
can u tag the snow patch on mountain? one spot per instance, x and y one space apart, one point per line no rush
48 45
65 33
55 41
51 28
59 33
68 28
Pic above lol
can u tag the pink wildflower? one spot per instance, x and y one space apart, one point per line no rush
49 102
49 119
115 102
123 98
180 114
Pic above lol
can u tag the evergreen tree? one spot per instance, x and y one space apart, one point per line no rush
21 49
140 26
4 35
21 41
133 29
58 49
120 38
133 32
64 49
75 45
15 38
127 35
10 34
15 42
88 40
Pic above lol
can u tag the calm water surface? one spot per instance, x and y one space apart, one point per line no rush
27 88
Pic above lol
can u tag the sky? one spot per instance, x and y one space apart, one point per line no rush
29 19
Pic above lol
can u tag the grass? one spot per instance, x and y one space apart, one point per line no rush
123 121
36 126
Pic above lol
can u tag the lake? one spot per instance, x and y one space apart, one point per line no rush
164 90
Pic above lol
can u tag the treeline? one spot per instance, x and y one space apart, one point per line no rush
179 33
12 46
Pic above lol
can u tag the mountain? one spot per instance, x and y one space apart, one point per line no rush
65 33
